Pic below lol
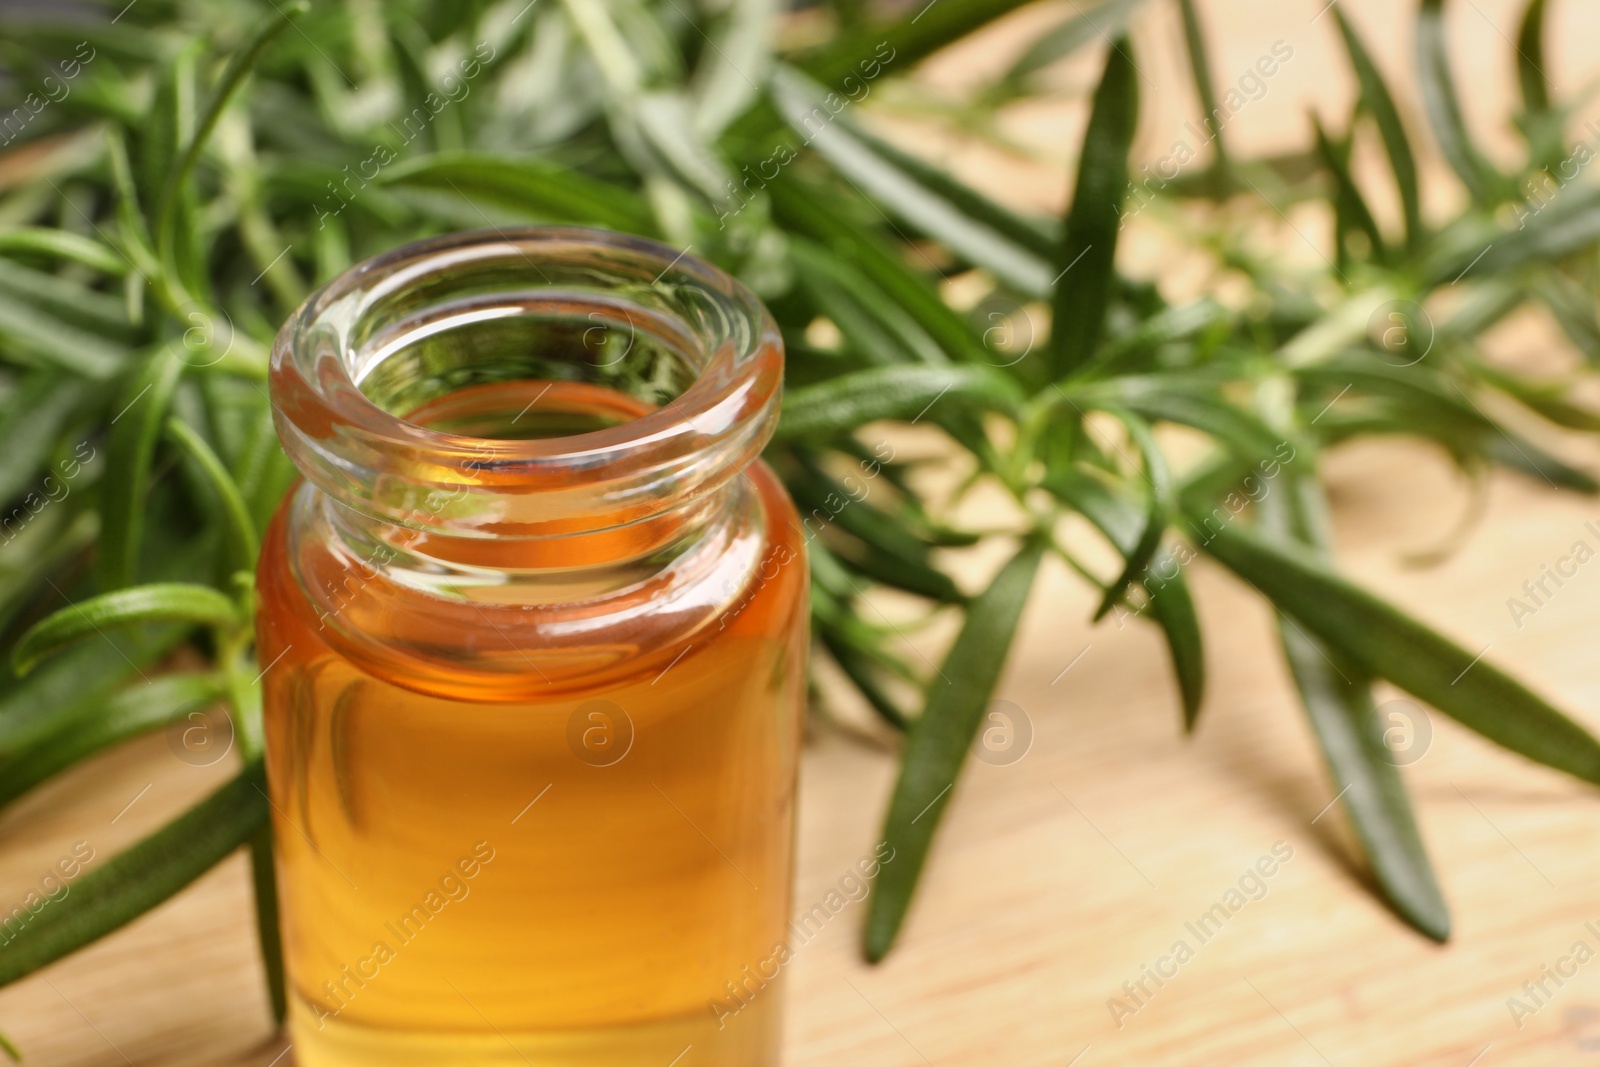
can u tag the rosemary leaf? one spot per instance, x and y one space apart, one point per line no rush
134 881
1084 263
162 602
936 744
1384 643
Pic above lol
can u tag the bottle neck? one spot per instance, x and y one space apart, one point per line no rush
435 624
551 568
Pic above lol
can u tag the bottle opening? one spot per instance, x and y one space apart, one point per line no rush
529 410
525 343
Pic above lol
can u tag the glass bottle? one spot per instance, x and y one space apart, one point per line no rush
534 628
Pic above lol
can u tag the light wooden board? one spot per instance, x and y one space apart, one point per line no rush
1057 878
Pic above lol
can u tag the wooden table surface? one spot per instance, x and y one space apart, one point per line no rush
1062 876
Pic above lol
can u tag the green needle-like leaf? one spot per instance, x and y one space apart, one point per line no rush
1085 263
232 75
1568 224
860 670
161 602
1338 700
137 708
1541 119
1159 490
529 189
908 574
1531 77
241 529
47 339
801 102
1444 109
264 883
918 33
1200 69
1348 199
1038 236
133 882
822 497
86 310
877 329
1191 402
904 392
130 451
799 208
1168 600
1385 643
936 746
65 245
1082 28
69 687
1379 102
31 421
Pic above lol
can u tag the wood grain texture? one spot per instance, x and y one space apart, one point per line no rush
1056 879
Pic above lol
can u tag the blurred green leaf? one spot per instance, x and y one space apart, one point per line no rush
241 528
129 884
937 743
530 189
874 325
1378 101
130 451
1168 599
1382 642
43 338
1109 18
860 670
801 102
233 74
1200 69
1531 77
32 420
834 407
906 573
1192 402
1348 200
138 708
1084 264
1569 223
1444 109
1338 700
912 36
1158 495
61 244
70 686
86 310
798 208
160 602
